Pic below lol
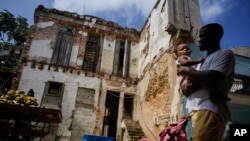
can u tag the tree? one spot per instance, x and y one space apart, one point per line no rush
13 34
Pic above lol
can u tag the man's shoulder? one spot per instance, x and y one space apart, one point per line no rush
226 51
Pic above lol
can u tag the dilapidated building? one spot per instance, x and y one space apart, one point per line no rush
106 79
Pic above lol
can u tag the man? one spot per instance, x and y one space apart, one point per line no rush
31 93
208 107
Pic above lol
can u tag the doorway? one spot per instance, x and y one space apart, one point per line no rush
111 113
128 106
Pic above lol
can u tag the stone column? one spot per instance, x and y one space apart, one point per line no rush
119 118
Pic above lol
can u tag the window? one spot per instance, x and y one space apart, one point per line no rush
63 46
91 60
53 93
85 98
121 58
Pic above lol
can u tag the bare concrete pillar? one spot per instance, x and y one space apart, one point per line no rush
119 118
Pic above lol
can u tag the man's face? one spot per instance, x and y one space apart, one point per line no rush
204 40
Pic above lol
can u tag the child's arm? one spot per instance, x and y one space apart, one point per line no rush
184 61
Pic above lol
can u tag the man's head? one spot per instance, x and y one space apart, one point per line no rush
210 36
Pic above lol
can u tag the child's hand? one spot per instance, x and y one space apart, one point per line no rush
186 116
201 60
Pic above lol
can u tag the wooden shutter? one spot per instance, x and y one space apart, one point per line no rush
63 46
116 57
126 59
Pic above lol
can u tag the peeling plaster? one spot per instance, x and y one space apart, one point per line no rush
44 24
92 23
83 33
175 102
41 48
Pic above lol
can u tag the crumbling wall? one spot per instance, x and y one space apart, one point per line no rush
168 24
155 106
35 69
241 50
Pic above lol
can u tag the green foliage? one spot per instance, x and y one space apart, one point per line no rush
8 62
16 29
13 34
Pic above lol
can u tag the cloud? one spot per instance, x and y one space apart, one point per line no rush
134 12
214 9
114 10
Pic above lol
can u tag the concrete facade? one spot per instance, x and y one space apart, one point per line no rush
241 50
99 73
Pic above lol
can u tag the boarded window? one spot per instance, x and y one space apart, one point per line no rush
85 117
121 58
63 46
85 98
53 93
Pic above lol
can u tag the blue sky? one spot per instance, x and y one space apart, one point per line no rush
233 15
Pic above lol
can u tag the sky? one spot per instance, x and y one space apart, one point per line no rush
233 15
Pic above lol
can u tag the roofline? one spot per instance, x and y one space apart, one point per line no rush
76 16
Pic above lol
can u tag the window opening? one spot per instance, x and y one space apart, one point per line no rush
63 46
54 89
121 58
91 53
53 93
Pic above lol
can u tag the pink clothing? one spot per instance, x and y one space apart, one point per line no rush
183 81
187 86
175 131
145 139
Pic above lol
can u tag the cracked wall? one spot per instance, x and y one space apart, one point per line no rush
160 102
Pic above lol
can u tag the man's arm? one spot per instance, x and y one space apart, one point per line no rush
205 77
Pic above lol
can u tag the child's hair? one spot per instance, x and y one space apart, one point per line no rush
175 51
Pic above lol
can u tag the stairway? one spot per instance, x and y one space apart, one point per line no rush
134 130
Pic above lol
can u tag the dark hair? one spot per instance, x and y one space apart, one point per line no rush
215 29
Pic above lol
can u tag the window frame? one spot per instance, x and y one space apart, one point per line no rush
56 100
92 56
63 46
118 70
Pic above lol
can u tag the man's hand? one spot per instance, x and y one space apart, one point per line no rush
183 70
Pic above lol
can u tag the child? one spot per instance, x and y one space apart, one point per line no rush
183 53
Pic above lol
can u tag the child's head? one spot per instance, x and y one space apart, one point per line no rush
182 49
